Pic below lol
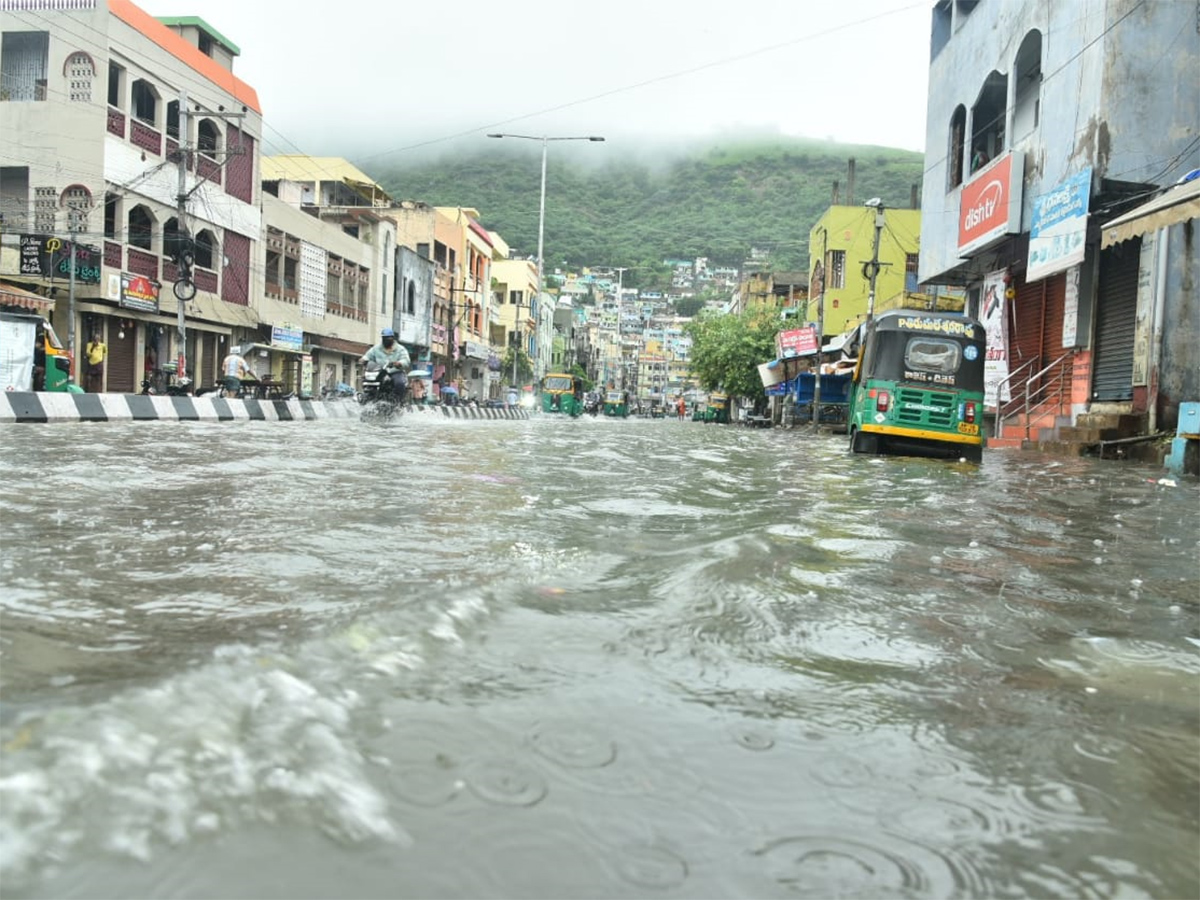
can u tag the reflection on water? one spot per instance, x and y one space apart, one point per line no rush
588 658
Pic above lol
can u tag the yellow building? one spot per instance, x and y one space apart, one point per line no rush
846 236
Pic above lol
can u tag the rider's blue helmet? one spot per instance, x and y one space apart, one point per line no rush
387 332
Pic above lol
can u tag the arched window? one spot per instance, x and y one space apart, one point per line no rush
145 102
208 138
77 201
987 121
954 151
1027 84
80 71
206 247
140 229
173 240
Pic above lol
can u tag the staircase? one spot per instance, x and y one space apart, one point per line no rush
1038 415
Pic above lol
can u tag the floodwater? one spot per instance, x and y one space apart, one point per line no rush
589 658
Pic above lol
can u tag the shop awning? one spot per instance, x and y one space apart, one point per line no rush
246 348
337 345
1175 205
11 295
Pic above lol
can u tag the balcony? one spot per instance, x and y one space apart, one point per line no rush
143 263
205 280
208 168
116 122
143 136
114 255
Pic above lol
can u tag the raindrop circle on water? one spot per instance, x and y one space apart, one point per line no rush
815 866
578 748
651 867
505 782
426 784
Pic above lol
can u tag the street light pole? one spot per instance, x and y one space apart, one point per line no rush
545 139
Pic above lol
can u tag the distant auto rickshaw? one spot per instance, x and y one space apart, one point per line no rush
718 409
616 403
562 393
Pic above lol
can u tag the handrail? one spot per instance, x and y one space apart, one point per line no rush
1040 393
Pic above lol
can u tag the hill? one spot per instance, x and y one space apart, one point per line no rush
716 201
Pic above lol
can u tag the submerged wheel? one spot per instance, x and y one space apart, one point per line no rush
973 455
863 443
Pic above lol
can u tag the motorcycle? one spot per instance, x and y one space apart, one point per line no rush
379 389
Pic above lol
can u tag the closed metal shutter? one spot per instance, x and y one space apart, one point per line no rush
1026 326
123 369
207 370
1116 318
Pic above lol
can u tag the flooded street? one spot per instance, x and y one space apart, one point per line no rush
589 658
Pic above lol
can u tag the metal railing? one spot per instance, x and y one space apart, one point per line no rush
1033 393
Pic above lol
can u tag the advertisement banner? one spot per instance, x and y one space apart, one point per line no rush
287 338
139 292
1058 227
994 315
50 257
990 204
796 342
17 337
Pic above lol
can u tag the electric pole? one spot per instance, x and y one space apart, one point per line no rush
878 206
72 229
816 416
184 289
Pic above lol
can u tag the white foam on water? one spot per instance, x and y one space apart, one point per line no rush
239 740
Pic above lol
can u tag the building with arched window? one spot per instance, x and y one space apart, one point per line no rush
90 96
1044 121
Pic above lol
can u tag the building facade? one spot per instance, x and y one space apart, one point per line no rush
107 117
1044 121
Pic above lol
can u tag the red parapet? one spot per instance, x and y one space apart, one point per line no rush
142 135
205 280
116 122
114 256
143 263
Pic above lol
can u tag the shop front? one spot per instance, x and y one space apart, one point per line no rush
334 363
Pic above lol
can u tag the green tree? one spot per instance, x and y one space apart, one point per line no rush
524 365
727 350
588 384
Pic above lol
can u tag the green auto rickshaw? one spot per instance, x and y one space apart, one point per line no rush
616 403
718 409
562 393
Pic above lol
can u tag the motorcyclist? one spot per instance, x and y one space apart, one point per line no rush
390 352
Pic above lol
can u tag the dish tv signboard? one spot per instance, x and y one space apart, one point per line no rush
991 204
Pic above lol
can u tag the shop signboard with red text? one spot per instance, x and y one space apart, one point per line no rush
990 204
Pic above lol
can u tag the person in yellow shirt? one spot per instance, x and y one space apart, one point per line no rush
97 352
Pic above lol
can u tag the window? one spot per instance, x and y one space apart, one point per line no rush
936 355
173 241
140 230
80 72
837 269
954 153
77 201
14 197
173 119
208 138
145 102
411 298
45 209
423 250
23 64
987 121
116 80
206 245
110 216
1027 78
515 297
911 264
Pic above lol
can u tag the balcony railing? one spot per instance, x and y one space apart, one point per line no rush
143 263
205 280
114 255
143 136
116 122
208 168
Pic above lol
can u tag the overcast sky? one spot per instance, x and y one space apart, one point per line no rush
388 79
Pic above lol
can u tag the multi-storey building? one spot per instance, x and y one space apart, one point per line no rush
108 117
1045 121
840 243
515 301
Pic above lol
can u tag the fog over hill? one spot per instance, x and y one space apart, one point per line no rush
637 205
